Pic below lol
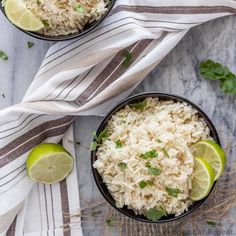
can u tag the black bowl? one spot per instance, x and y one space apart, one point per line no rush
98 179
85 30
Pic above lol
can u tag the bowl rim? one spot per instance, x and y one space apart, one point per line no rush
122 104
62 38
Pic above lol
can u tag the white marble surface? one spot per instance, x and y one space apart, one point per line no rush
176 74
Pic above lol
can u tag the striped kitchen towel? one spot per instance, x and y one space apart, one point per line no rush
85 76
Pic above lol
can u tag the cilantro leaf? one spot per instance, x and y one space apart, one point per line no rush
215 71
45 23
154 171
94 145
110 222
3 56
212 223
148 164
30 44
151 154
98 139
144 184
79 9
154 214
95 135
102 136
118 143
128 58
165 152
159 141
228 86
123 166
173 191
139 105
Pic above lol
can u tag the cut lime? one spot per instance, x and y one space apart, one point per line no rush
20 16
49 163
203 179
213 153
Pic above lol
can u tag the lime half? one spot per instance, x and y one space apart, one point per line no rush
212 153
203 179
49 163
20 16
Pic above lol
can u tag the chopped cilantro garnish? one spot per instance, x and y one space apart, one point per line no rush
98 139
154 214
144 184
128 58
30 44
212 223
150 154
79 9
148 164
139 105
118 143
123 166
215 71
165 152
154 171
3 56
173 191
102 136
45 23
110 222
94 145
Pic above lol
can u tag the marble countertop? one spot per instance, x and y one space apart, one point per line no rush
176 74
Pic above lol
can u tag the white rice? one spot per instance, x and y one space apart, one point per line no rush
60 16
178 126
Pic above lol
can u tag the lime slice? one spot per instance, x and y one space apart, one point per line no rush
203 179
20 16
49 163
213 153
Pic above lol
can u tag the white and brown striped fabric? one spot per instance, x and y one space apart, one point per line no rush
85 76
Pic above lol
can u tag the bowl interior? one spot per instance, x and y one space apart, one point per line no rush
85 30
98 179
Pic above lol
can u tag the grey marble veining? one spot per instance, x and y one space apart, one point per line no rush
176 74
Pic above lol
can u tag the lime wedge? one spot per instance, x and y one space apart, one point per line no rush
203 179
212 153
49 163
20 16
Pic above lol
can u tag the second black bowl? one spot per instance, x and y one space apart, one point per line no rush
85 30
102 186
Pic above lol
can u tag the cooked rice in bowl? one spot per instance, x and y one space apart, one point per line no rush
64 17
157 137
